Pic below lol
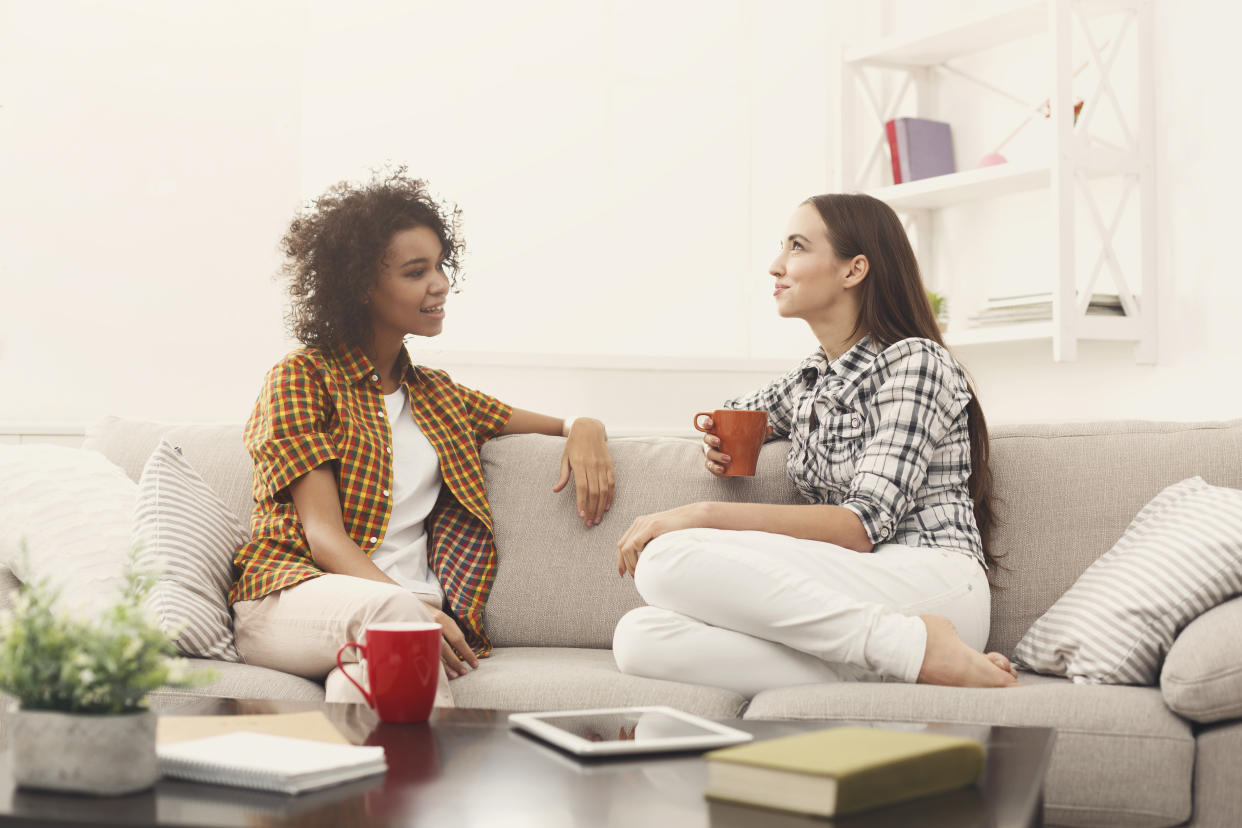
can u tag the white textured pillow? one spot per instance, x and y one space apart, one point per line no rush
1181 556
73 509
187 534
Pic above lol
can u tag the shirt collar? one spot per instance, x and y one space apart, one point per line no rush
358 368
848 365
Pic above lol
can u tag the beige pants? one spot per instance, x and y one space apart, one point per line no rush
299 629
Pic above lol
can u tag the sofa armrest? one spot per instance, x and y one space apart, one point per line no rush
1202 674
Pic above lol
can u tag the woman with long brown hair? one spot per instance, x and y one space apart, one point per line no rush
882 574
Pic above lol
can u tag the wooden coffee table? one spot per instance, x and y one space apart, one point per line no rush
465 767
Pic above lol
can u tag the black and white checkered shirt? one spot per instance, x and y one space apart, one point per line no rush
884 435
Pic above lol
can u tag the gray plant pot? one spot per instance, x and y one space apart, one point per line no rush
85 753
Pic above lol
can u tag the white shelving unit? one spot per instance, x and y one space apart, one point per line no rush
1074 156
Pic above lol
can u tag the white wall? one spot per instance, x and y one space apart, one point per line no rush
150 159
153 153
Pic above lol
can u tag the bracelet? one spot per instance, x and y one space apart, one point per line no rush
567 425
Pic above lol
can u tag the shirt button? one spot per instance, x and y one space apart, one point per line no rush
385 493
388 449
374 540
855 421
375 378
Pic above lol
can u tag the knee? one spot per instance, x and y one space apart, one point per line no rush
638 643
666 561
396 604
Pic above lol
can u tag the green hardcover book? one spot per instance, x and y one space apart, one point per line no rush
842 770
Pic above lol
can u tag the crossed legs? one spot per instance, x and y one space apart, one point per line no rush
754 610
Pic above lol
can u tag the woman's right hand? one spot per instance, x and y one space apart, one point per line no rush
453 647
715 460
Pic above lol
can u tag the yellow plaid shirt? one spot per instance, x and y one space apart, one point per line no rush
321 406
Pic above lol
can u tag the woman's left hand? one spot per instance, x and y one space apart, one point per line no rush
586 455
647 528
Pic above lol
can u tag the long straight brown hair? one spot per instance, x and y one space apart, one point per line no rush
894 306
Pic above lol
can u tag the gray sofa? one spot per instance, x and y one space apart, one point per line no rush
1064 495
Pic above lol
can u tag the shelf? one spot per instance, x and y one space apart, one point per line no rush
946 190
1119 328
1017 332
967 35
1063 157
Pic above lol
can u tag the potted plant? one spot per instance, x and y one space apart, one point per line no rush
82 683
937 302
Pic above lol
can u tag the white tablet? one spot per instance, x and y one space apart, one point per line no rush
621 730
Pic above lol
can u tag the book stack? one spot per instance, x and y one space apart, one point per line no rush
1037 307
843 770
920 148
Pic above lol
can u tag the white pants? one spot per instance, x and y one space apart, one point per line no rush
749 611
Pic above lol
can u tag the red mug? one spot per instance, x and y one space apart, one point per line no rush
403 668
741 433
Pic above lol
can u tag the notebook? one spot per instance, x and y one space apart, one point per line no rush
267 762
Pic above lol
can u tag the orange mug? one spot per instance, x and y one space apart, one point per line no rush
403 668
741 434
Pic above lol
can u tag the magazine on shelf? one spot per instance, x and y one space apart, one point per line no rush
1037 307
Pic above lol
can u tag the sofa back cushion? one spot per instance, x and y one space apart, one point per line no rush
216 452
1065 493
556 581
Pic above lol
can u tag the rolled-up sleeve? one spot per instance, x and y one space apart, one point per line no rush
487 414
777 398
286 435
920 397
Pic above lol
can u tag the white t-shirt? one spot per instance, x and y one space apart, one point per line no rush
415 486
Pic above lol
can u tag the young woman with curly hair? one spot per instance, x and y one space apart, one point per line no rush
882 574
370 505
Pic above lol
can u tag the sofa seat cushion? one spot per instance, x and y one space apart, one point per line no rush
554 678
245 681
1120 757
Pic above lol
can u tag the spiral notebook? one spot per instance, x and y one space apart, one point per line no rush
268 763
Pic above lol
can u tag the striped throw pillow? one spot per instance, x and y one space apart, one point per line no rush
1178 558
188 536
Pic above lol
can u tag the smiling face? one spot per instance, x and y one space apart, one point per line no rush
812 282
410 290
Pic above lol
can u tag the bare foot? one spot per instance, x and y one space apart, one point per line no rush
948 660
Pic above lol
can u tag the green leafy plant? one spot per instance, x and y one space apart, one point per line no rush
937 304
51 659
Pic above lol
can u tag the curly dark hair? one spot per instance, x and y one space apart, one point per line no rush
334 248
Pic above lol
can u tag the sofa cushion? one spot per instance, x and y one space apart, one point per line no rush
546 678
243 681
1120 757
188 536
1218 796
72 510
1202 674
1181 556
216 452
1065 493
556 580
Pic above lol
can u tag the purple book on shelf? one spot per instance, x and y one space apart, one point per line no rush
925 148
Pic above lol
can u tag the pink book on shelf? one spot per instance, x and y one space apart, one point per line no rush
890 130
